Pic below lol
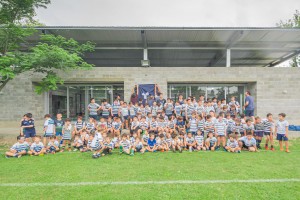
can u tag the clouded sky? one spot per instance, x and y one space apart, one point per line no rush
167 12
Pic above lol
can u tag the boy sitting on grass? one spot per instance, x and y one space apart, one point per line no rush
53 145
18 149
232 145
211 142
95 146
37 148
151 144
77 143
125 146
248 143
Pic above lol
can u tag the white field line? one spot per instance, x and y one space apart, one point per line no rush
150 182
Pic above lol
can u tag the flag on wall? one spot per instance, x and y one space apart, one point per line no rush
146 90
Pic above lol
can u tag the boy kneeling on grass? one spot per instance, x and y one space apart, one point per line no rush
248 143
211 142
53 145
18 149
95 145
232 145
37 148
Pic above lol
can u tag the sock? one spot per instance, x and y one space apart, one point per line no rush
272 146
131 151
121 149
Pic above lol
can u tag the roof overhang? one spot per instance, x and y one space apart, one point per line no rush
183 46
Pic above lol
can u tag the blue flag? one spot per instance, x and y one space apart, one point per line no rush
146 90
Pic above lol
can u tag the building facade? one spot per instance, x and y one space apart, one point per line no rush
275 90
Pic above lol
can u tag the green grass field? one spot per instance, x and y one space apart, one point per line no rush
75 167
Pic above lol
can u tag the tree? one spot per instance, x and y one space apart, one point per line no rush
49 57
292 23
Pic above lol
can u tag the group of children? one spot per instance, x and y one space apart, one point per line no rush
183 125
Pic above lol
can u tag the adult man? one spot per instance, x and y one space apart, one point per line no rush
249 105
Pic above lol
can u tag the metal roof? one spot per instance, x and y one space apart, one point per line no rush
183 46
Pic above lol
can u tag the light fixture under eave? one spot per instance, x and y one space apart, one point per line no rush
145 63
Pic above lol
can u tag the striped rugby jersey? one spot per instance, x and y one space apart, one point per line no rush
143 124
154 110
90 126
193 125
124 111
199 139
220 127
67 132
125 144
232 144
207 124
20 146
189 140
79 125
153 124
178 109
200 125
105 110
268 126
134 124
145 137
37 147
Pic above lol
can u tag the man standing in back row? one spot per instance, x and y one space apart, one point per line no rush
249 105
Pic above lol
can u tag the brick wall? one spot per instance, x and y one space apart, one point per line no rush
275 89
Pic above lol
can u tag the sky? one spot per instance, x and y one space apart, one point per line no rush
183 13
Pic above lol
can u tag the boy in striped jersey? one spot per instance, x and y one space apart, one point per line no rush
200 124
125 115
238 128
77 143
147 109
53 145
200 109
84 138
209 125
177 109
95 146
248 127
154 109
67 135
268 131
145 138
171 124
180 124
168 107
18 149
106 109
232 145
37 148
143 126
248 142
115 109
220 130
138 146
189 109
116 140
193 124
161 143
199 141
90 125
134 125
176 143
153 125
117 125
211 142
258 131
132 111
102 124
168 141
125 146
107 146
79 125
190 142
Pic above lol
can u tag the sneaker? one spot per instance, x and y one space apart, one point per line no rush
94 156
266 148
272 149
239 151
75 149
19 156
190 149
98 155
41 154
132 154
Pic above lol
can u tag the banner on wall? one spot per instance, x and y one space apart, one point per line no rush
146 90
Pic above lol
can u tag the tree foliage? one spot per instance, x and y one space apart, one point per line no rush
50 56
292 23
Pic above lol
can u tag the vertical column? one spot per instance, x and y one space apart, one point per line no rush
68 102
46 99
86 100
228 58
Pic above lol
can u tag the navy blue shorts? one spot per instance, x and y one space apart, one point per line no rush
126 117
58 133
249 113
281 137
94 117
115 115
29 134
259 133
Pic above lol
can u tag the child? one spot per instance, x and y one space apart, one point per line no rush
95 146
160 143
116 139
125 146
180 124
49 127
168 107
268 131
177 109
18 149
199 141
220 130
53 145
153 125
125 115
102 124
84 137
258 131
211 142
248 127
77 143
79 125
134 125
176 143
190 142
115 109
37 148
143 126
209 125
248 142
238 127
168 141
145 138
193 124
106 109
282 130
90 125
138 146
232 145
151 144
116 125
28 128
66 135
59 123
108 146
